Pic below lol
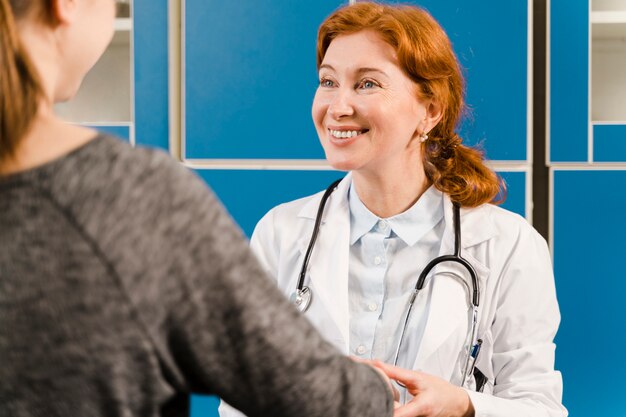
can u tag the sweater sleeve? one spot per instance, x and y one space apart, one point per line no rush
218 323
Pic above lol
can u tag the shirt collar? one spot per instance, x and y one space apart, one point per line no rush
419 219
410 226
361 219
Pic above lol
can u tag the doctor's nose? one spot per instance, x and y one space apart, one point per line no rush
340 106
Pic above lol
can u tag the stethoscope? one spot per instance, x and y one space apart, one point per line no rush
303 295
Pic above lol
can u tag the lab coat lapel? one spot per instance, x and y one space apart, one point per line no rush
328 267
450 301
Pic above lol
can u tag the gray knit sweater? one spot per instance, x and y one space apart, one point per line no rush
124 286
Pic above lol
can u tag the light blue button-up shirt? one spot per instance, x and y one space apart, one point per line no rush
386 258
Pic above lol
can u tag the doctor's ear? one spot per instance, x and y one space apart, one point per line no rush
434 113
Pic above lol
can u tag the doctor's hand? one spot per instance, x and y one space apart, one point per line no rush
373 364
432 396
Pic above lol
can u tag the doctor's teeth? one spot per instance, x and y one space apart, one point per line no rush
344 133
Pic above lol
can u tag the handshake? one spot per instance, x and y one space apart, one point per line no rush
432 396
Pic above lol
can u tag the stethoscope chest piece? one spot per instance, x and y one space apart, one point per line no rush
302 298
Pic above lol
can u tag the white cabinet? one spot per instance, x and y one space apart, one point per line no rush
608 61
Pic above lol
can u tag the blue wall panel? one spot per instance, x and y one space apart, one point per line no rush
569 80
490 39
609 143
516 192
250 78
204 406
119 131
589 230
248 195
150 24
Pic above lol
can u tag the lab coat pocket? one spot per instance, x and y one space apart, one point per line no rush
484 378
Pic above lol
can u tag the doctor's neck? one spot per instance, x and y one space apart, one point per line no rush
389 195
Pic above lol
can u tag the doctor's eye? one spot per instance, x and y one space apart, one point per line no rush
367 84
327 83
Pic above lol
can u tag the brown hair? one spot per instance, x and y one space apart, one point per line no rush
20 89
425 55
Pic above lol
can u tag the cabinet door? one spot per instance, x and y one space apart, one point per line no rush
150 81
587 81
569 80
589 230
491 40
247 93
249 77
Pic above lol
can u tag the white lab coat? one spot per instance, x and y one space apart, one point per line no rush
518 315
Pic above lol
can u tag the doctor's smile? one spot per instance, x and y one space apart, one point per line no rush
343 133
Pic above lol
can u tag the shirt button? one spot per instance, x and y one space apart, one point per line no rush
361 350
372 307
383 225
377 260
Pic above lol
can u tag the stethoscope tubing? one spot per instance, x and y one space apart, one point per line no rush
316 230
303 294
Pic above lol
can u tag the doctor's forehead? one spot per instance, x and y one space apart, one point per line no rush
359 52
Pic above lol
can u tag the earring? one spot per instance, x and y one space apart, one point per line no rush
423 137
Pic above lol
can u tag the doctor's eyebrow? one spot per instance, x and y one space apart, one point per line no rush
366 70
359 71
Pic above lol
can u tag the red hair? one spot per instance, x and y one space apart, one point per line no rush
425 55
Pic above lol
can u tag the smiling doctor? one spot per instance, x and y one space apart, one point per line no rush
478 335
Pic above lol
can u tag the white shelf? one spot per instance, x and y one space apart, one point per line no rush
608 24
608 17
608 72
123 24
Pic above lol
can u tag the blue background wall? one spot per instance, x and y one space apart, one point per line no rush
246 84
588 249
587 160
